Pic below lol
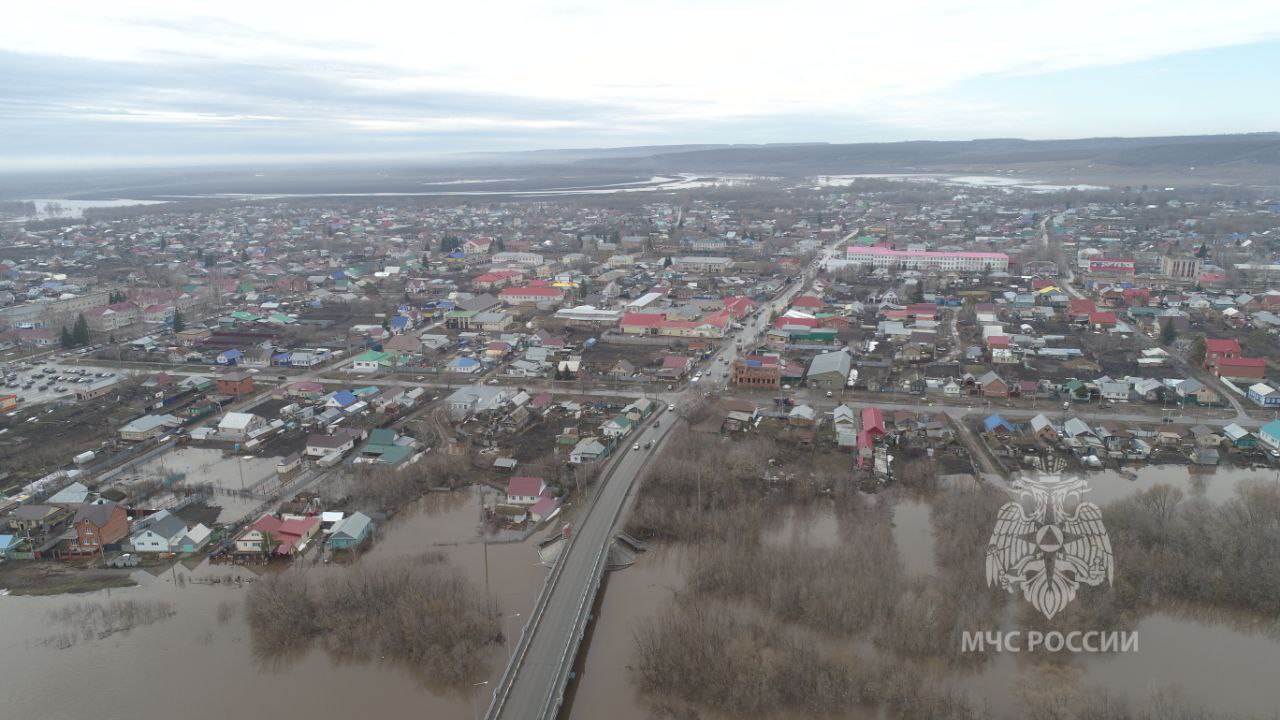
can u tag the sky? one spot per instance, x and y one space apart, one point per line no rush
137 82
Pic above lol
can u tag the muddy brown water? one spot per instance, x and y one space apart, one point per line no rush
1214 661
194 664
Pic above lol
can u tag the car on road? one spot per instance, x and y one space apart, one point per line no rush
671 407
648 445
830 394
636 446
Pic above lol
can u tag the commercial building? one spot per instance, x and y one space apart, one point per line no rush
882 257
701 264
1181 268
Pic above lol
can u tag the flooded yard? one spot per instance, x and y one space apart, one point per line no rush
201 656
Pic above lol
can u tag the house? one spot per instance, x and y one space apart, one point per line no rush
162 532
235 383
587 450
525 490
993 386
196 538
1114 391
236 426
148 427
288 464
320 444
844 418
1264 395
1269 435
1239 437
464 365
675 367
350 531
617 427
829 371
97 526
229 357
1042 428
37 519
802 416
475 399
1196 391
1241 368
276 536
1075 427
371 361
387 447
998 425
1216 349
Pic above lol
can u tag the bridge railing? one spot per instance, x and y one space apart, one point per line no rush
555 693
503 688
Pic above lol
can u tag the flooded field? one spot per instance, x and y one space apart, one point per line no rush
1215 660
240 480
201 656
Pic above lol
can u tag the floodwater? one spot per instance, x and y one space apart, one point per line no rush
1211 660
75 208
232 473
1215 484
913 535
194 660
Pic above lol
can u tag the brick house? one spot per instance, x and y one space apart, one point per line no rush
1216 349
97 526
235 383
1240 367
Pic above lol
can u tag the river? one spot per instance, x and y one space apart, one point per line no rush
1213 660
199 661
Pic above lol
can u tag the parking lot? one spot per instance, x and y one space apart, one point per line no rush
46 381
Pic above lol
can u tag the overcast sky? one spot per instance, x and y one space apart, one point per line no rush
140 82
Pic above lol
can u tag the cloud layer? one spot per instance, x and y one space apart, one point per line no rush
147 80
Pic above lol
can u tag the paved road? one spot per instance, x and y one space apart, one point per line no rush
534 684
539 670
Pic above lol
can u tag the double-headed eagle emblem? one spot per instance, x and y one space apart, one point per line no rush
1048 542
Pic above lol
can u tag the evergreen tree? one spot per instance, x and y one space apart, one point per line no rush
179 322
1168 333
1195 356
80 332
66 337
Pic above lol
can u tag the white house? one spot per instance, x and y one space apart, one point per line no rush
320 445
525 490
236 426
475 399
161 532
1114 391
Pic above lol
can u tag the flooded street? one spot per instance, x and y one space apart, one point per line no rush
201 656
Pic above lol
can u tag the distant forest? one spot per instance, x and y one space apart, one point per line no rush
17 207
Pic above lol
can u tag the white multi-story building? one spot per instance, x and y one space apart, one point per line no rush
881 257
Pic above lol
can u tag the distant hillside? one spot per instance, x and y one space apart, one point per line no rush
1231 153
1200 160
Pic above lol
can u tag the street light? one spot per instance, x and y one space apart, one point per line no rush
475 709
506 639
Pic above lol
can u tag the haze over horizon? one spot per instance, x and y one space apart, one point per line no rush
146 83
